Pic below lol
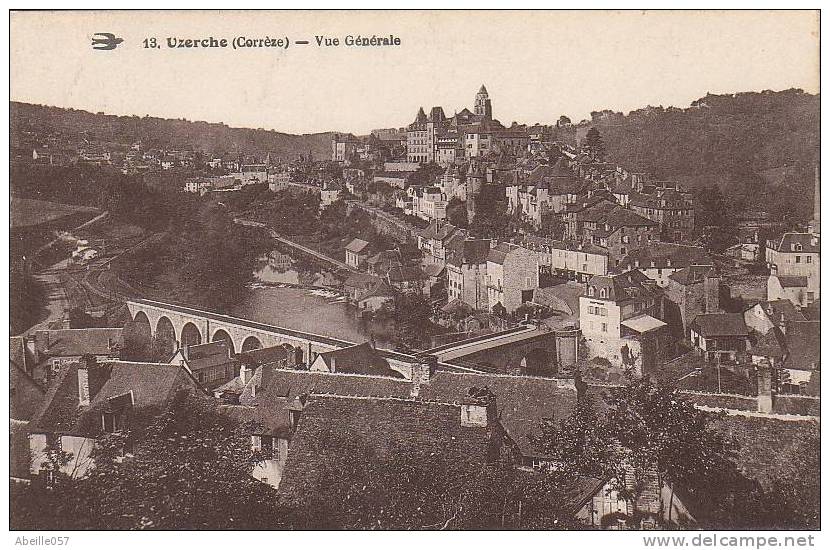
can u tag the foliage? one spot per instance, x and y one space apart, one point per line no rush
594 144
737 142
411 317
27 302
188 468
411 489
646 430
457 212
716 218
491 220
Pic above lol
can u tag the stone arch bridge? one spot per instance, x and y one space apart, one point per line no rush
530 349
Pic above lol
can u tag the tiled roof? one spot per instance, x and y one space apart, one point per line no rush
803 340
357 246
438 230
764 443
498 253
779 312
693 274
630 285
152 384
790 241
264 356
720 324
78 341
358 359
473 252
383 427
792 281
522 401
666 255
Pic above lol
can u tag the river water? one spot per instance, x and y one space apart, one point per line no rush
294 293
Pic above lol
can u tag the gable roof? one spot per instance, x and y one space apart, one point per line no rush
791 281
153 385
384 427
78 341
789 242
522 402
357 246
803 339
666 255
693 274
720 324
358 359
620 287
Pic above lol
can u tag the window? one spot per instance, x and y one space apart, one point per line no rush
111 422
604 327
809 259
622 251
798 259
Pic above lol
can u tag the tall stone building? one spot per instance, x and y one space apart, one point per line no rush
483 107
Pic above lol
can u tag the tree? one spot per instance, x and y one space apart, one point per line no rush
647 431
563 122
409 488
185 468
553 225
457 212
595 145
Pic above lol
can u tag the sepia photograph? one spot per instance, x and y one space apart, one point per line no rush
415 270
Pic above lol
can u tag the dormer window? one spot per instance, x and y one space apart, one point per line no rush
591 291
797 247
602 293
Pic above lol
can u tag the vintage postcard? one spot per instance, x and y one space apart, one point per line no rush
416 270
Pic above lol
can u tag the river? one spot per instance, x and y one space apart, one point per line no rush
285 295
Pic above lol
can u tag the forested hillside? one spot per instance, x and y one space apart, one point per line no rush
29 123
759 148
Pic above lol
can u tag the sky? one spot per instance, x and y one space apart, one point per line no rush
536 65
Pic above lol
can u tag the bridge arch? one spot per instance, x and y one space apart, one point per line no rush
141 327
166 335
221 334
251 343
191 335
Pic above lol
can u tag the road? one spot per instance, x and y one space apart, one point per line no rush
310 251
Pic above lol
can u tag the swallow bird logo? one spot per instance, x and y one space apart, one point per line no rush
105 41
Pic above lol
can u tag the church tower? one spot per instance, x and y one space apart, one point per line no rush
483 108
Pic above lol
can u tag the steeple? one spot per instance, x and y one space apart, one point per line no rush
483 107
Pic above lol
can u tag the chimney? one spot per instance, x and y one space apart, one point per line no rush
333 364
422 372
478 409
765 400
31 347
83 385
245 373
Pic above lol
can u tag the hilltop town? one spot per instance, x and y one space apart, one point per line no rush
540 336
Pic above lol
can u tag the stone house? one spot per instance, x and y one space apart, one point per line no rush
720 336
48 350
211 364
467 274
512 275
659 260
795 270
357 252
87 401
690 292
617 317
